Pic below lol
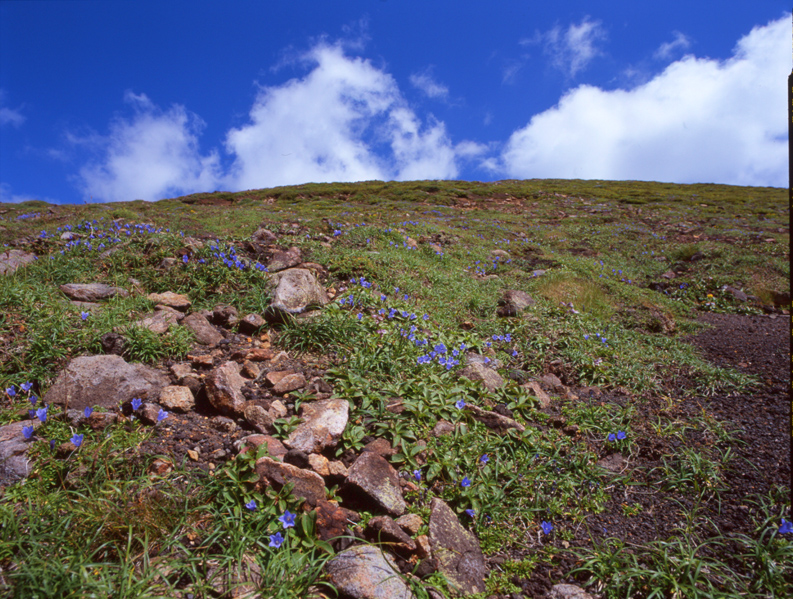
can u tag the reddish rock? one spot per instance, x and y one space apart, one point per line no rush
322 427
291 382
455 550
275 448
410 523
173 300
252 323
381 447
177 398
333 521
537 391
494 420
224 389
371 479
307 485
382 529
205 333
365 572
259 354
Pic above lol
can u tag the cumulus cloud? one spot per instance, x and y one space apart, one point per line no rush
346 120
152 155
9 116
699 120
425 82
571 50
669 49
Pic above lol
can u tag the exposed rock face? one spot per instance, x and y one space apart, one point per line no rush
365 572
479 372
177 398
456 551
322 427
382 529
371 479
13 452
296 290
332 520
92 292
172 300
205 333
11 260
307 484
224 389
105 381
284 259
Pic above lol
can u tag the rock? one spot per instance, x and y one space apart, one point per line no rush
442 427
275 449
319 464
307 485
252 323
92 292
552 381
224 389
250 370
365 572
479 372
225 316
410 523
291 382
494 420
277 409
372 480
14 464
113 343
500 254
259 354
333 521
148 413
259 418
223 424
181 370
161 320
276 375
613 462
322 427
177 398
168 263
567 591
382 529
264 236
669 274
283 259
381 447
101 420
513 302
11 260
172 300
296 291
160 467
538 392
104 381
205 333
736 293
455 550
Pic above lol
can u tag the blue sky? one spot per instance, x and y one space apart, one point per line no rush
122 100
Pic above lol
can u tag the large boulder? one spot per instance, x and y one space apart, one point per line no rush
296 290
92 292
372 480
365 572
11 260
456 551
283 259
105 381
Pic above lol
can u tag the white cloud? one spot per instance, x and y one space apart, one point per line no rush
571 50
667 49
700 120
9 116
153 155
425 82
344 121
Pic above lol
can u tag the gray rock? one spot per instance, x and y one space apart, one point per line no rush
410 523
105 381
736 293
14 464
225 316
172 300
456 551
284 259
113 343
365 572
307 484
252 323
442 427
224 389
177 398
275 449
92 292
479 372
264 236
513 302
296 290
181 370
11 260
373 477
567 591
259 418
205 333
322 427
161 320
382 529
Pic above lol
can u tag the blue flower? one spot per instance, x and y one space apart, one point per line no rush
32 399
484 459
786 527
251 505
417 474
547 527
26 386
27 432
612 437
41 414
277 539
621 435
288 519
11 391
470 512
185 259
425 317
85 315
514 353
136 403
88 411
162 415
77 440
459 404
465 482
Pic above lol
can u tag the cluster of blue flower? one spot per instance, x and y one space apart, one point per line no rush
287 520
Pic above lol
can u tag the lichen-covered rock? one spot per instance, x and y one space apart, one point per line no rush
224 389
322 427
371 479
307 484
365 572
456 551
296 290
